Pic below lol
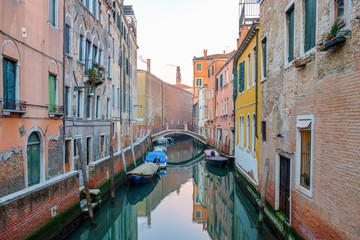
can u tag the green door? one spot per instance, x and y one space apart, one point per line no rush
33 160
52 93
9 84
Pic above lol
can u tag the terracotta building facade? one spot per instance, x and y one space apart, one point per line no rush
310 115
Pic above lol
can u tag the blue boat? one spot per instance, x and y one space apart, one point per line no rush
159 158
144 173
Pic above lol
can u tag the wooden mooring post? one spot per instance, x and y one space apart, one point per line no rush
86 183
263 192
112 183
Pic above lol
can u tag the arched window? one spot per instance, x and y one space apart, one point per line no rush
33 159
253 134
248 132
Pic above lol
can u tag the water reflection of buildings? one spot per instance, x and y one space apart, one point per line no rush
182 150
200 211
220 199
171 182
114 221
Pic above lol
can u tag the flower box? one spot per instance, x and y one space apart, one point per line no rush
332 43
300 62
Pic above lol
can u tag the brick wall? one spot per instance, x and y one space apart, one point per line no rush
34 207
55 156
12 174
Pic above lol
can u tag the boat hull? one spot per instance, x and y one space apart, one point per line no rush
217 161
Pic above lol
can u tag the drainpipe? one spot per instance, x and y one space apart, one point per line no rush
63 73
256 78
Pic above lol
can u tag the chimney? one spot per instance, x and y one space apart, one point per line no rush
148 64
242 34
224 52
205 53
178 76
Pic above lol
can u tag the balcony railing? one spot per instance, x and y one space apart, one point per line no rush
13 105
94 71
55 110
249 12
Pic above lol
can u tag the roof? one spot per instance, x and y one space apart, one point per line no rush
181 86
214 56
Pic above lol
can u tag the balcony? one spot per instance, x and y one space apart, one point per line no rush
95 72
249 12
55 110
12 106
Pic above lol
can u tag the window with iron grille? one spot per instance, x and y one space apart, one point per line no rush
305 156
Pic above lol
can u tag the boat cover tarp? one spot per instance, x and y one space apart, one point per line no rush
146 169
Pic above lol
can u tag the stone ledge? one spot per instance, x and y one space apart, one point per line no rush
27 191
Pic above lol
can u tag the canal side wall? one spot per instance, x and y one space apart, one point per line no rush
36 206
99 171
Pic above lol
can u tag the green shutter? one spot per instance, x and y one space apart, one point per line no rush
216 84
234 84
9 84
310 24
221 80
241 76
52 93
33 160
290 14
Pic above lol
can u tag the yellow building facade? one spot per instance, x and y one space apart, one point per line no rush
247 73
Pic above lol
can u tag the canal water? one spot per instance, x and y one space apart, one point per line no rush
190 200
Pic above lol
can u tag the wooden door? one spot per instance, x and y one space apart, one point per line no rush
284 204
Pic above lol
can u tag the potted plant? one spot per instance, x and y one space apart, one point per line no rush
93 75
333 37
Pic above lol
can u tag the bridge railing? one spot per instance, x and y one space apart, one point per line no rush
158 129
176 126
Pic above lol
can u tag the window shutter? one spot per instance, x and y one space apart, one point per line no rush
241 76
52 97
291 34
234 84
216 84
221 81
310 24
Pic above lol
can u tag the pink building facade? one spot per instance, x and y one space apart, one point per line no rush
225 132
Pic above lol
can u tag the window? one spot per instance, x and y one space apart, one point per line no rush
253 133
290 33
263 130
148 122
199 82
97 110
209 73
304 150
88 107
113 96
248 137
99 11
9 84
99 57
248 73
109 22
118 102
67 101
52 93
221 80
53 8
94 53
94 8
67 39
81 45
107 108
241 76
339 12
216 84
310 24
253 68
33 159
263 55
87 53
152 121
198 67
80 104
87 4
212 70
109 66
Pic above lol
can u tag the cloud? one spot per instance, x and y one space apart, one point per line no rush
141 59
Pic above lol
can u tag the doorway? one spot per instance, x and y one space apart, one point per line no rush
284 197
33 160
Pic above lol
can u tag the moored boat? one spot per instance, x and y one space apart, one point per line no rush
214 158
143 174
159 158
211 153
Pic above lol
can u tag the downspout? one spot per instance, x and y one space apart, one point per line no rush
256 79
63 73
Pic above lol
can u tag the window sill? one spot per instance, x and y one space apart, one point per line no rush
303 190
81 62
288 64
8 112
68 55
55 114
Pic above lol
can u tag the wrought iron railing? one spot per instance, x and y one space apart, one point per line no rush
55 108
91 64
13 104
249 11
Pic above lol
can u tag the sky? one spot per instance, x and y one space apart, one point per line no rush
172 32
